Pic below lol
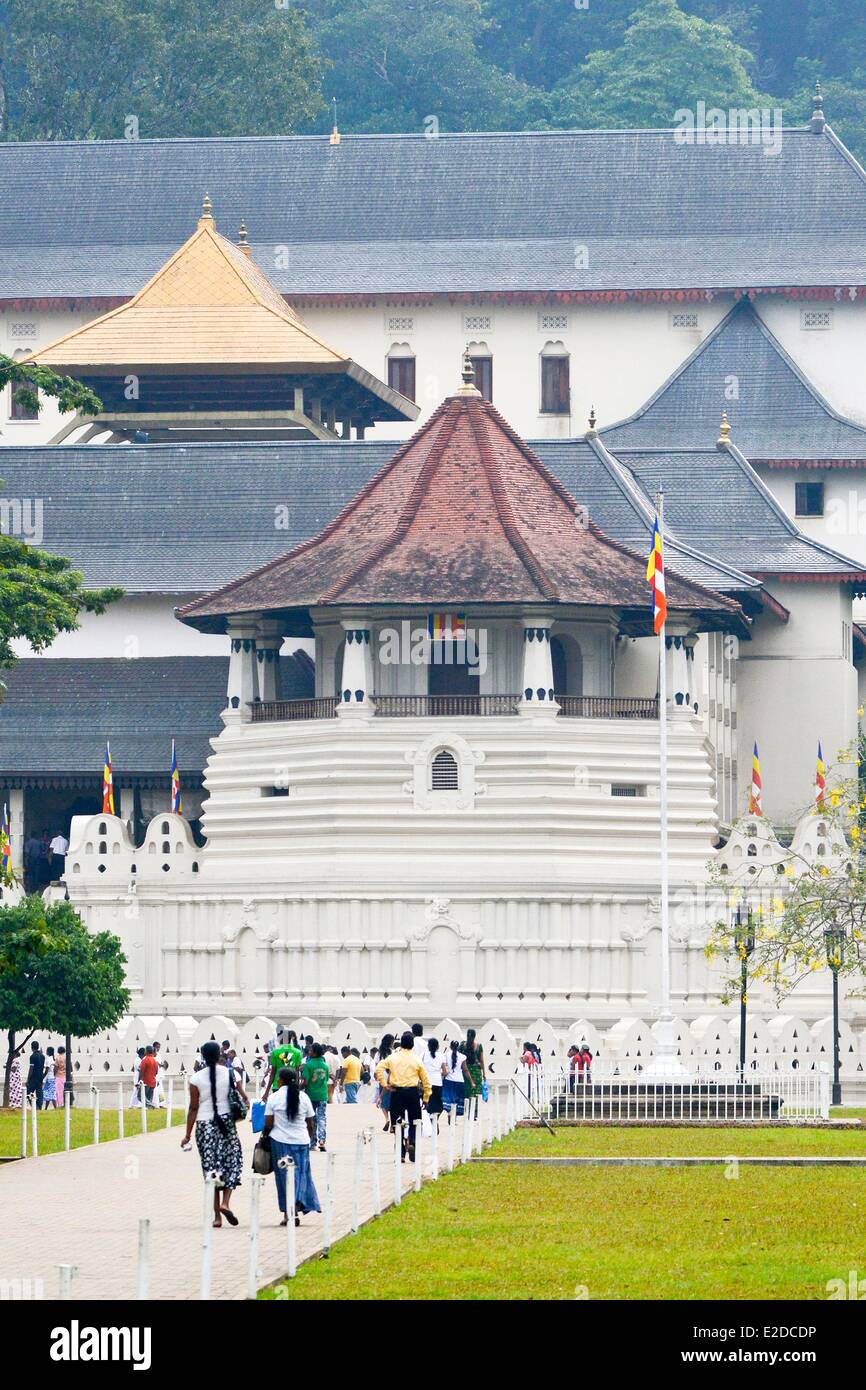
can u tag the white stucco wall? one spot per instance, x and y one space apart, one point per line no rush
620 354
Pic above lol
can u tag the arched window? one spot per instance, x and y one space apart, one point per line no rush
567 661
444 772
555 381
17 409
482 363
401 369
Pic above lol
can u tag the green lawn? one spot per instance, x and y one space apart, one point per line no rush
629 1140
490 1231
50 1124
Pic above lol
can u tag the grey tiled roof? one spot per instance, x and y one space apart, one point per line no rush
58 712
777 413
187 518
391 213
714 499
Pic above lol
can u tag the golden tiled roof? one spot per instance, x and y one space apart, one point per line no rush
209 305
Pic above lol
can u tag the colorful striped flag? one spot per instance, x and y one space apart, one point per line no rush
655 577
447 627
176 799
820 778
107 784
5 844
755 801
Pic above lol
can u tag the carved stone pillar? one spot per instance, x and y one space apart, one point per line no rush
243 683
537 699
356 684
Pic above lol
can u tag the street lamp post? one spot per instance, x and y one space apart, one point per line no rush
744 937
68 1084
834 940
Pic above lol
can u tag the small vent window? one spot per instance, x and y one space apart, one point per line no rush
627 789
22 331
553 323
685 318
816 318
444 773
477 323
399 323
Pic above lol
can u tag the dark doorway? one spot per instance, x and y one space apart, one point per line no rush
449 672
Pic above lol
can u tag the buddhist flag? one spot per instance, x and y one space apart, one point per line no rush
5 844
820 778
107 784
176 800
447 627
655 577
756 789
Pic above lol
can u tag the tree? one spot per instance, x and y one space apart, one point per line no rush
667 61
395 63
33 382
41 595
89 69
815 916
75 986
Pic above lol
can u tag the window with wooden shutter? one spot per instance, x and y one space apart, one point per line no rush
401 375
554 385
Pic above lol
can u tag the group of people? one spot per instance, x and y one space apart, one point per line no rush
44 859
46 1077
412 1078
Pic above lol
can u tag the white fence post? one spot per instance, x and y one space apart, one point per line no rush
328 1224
291 1232
143 1104
398 1159
376 1185
65 1276
255 1214
120 1117
96 1113
143 1281
207 1235
434 1162
356 1182
23 1124
34 1132
416 1124
170 1108
452 1132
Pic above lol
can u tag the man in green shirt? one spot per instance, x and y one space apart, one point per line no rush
314 1076
285 1054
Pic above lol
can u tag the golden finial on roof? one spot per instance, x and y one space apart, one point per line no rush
206 219
334 137
468 374
243 240
724 431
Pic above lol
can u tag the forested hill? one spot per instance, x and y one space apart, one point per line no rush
81 69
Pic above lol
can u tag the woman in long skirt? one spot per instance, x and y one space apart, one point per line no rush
454 1078
49 1093
16 1090
215 1134
290 1120
475 1068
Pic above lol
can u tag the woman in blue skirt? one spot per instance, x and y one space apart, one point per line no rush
290 1120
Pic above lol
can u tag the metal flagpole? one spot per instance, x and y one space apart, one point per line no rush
666 1063
663 797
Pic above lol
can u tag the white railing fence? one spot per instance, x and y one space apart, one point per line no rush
603 1092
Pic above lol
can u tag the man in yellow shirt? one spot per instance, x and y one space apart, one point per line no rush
403 1073
349 1075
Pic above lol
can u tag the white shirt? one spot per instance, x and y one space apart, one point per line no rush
419 1047
433 1066
59 845
454 1073
201 1081
333 1060
287 1131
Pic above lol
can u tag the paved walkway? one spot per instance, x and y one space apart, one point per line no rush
83 1208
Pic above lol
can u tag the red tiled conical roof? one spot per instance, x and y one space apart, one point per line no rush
464 513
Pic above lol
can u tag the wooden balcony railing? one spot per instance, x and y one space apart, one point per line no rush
455 706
